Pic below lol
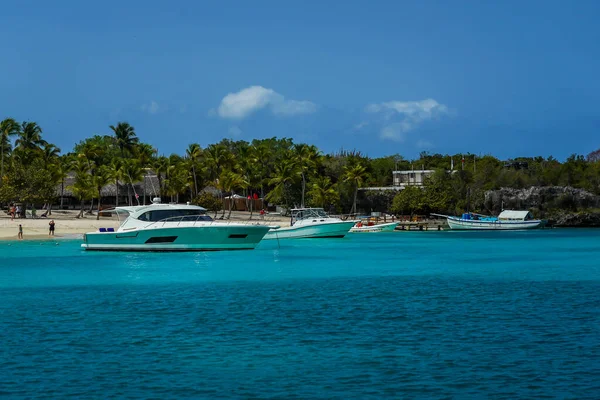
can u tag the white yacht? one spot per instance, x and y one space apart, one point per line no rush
311 223
173 227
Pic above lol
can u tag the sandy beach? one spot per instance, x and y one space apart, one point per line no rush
66 225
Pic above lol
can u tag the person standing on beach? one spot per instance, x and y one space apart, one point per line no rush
51 226
20 235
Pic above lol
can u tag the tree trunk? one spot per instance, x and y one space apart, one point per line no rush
195 181
91 211
62 191
49 208
303 189
98 213
2 168
354 204
82 209
230 205
223 215
117 193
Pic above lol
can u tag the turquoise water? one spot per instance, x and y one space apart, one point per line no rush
499 315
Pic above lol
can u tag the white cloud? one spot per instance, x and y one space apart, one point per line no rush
293 107
396 131
151 108
235 131
241 104
424 144
361 125
401 117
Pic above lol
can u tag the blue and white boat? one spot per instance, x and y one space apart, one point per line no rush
507 220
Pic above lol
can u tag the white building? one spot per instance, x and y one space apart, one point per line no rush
411 178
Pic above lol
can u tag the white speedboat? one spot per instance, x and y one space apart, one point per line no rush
173 227
507 220
361 228
311 223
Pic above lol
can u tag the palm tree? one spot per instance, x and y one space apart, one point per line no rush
322 191
218 157
132 171
161 167
355 174
83 187
307 157
50 154
260 156
60 171
30 138
125 137
101 178
116 168
286 173
230 181
144 153
193 153
8 128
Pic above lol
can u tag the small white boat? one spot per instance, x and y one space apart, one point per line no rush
361 228
172 227
311 223
507 220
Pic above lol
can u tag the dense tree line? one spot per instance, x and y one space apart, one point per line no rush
281 171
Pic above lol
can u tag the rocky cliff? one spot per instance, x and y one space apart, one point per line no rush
562 206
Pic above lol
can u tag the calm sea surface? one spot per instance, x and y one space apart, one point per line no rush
500 315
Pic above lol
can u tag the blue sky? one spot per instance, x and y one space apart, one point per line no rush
508 78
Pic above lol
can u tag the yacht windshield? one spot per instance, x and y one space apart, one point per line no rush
309 213
187 215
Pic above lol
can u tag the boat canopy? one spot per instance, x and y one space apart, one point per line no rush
514 215
305 213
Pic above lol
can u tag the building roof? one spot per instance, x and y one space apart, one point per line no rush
150 181
514 215
419 171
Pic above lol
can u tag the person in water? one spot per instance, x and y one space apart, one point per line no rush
20 235
51 227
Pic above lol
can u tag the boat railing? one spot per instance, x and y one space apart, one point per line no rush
197 220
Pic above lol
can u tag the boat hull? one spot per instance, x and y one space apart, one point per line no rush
468 225
320 230
205 238
389 227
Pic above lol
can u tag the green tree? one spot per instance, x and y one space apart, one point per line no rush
409 200
131 172
322 191
125 137
230 181
8 127
83 187
355 174
193 154
209 201
102 177
286 174
307 158
29 138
